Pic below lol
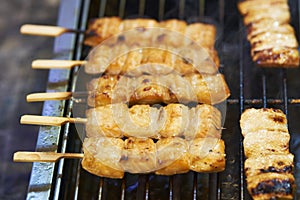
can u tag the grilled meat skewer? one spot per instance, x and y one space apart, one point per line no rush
147 89
141 155
117 120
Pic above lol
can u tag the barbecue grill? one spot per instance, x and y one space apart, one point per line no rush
250 86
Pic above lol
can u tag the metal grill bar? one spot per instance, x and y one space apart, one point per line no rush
161 9
142 6
181 9
122 8
285 93
241 97
264 90
199 186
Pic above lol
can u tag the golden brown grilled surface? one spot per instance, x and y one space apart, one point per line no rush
139 155
253 120
277 57
120 59
117 120
207 155
269 164
263 142
277 13
111 157
98 29
273 41
268 26
247 6
277 163
147 89
172 156
271 185
270 39
102 155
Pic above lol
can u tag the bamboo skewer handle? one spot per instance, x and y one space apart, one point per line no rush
43 30
25 156
48 96
56 64
49 121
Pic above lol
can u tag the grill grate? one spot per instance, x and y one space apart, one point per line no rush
250 87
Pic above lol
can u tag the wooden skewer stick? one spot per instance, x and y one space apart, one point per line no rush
50 121
56 64
45 30
48 96
25 156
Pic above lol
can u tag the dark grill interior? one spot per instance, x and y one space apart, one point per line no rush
250 87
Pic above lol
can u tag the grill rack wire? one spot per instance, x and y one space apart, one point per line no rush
250 87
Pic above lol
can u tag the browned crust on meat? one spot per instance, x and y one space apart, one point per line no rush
271 186
277 57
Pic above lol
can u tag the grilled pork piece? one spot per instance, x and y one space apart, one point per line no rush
139 155
253 120
269 26
273 41
269 165
172 156
117 120
277 57
111 157
248 6
268 40
102 28
280 14
102 156
263 142
276 163
271 186
207 155
120 59
147 89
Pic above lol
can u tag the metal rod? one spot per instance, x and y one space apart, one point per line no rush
195 185
142 6
264 87
122 8
181 9
260 101
171 188
141 189
161 9
285 92
102 8
201 8
123 189
241 84
100 189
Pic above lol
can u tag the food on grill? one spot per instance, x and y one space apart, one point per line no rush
271 186
269 164
263 142
120 59
141 155
273 41
277 163
102 28
117 120
207 155
172 156
279 56
138 155
269 119
148 89
102 156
